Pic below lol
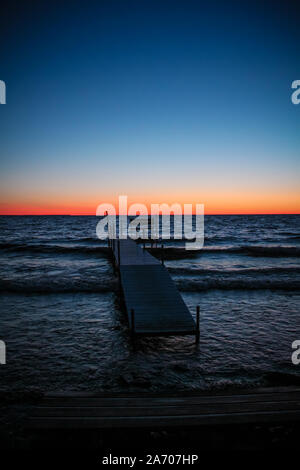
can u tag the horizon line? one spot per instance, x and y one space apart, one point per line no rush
136 215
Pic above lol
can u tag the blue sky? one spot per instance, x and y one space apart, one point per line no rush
185 101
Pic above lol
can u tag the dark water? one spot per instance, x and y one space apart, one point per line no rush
64 328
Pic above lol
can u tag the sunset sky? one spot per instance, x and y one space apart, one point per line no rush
165 101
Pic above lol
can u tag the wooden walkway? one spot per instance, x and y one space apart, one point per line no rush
153 303
88 411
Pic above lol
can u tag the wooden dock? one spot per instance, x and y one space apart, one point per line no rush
153 303
112 411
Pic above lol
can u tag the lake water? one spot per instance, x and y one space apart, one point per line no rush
65 329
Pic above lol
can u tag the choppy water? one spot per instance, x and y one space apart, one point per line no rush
64 327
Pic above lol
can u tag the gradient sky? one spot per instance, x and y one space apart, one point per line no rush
163 101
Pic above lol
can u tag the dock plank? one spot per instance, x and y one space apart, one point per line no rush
150 292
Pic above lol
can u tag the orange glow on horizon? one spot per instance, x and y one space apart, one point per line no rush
214 204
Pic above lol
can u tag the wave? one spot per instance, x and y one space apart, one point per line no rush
256 250
234 271
108 284
170 252
253 250
66 287
53 248
198 285
272 250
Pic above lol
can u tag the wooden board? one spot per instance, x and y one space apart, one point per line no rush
132 254
156 411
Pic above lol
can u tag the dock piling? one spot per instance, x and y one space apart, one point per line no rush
197 324
118 252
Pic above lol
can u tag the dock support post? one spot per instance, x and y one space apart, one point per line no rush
198 324
132 322
162 255
118 252
113 255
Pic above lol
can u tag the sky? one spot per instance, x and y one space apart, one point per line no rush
162 101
